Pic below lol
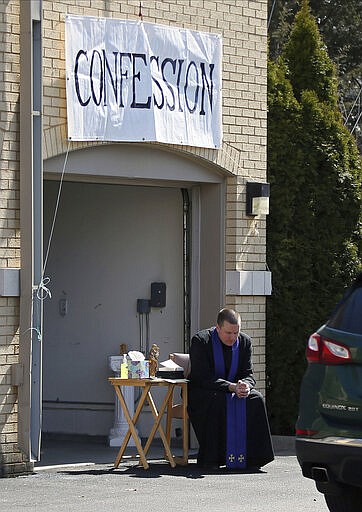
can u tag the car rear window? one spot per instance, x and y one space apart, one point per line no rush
348 314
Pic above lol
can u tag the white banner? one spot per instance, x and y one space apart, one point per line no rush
135 81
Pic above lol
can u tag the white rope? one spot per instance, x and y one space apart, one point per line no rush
36 330
358 118
354 104
42 291
271 13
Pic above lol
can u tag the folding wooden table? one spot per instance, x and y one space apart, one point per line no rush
146 396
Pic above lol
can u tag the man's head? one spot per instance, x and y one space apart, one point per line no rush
228 326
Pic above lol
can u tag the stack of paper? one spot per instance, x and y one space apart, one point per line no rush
170 370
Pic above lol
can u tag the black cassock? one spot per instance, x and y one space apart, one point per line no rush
207 404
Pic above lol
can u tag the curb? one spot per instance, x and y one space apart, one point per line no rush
284 444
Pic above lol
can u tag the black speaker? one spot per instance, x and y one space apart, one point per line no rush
158 295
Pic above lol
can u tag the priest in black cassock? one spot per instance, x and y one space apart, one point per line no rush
228 415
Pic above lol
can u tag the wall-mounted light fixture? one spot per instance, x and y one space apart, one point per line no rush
257 198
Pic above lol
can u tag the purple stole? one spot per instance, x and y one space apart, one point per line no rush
235 407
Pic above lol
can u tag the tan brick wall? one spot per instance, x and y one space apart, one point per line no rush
252 311
242 24
11 460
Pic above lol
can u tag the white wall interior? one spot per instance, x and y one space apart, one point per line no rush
110 243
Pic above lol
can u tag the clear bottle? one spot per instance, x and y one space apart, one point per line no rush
123 373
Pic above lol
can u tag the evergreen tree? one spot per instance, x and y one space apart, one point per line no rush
340 24
309 65
314 169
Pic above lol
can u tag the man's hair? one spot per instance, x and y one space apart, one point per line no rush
228 315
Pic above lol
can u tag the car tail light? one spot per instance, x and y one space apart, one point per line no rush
305 432
313 349
324 350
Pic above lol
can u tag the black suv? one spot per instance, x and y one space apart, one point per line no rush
329 426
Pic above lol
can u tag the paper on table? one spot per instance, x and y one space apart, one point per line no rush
175 381
169 365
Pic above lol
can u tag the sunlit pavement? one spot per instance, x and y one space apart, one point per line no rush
89 482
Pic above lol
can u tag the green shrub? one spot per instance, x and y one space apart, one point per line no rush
314 225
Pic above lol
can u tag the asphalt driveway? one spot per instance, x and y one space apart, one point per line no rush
279 487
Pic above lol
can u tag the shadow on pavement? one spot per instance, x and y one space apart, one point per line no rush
157 470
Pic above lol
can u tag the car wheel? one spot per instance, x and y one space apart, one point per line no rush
349 500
